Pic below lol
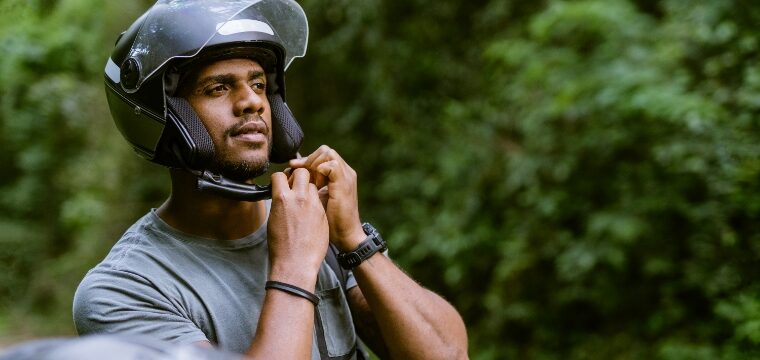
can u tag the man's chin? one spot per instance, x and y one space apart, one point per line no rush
243 171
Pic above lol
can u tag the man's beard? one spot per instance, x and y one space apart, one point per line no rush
241 170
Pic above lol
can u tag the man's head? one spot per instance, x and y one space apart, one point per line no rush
172 122
230 98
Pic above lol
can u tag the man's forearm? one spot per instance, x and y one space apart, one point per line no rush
416 323
285 329
297 234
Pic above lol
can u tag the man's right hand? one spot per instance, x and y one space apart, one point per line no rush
298 232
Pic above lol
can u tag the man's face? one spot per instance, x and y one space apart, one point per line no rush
230 98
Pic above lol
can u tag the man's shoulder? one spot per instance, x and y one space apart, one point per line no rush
138 243
131 269
138 256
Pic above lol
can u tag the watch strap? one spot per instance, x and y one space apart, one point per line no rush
368 247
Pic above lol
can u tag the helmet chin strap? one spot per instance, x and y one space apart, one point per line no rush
219 185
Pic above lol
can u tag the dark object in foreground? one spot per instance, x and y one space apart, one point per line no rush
114 347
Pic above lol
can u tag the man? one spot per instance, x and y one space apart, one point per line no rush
200 88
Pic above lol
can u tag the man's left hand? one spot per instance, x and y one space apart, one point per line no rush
337 185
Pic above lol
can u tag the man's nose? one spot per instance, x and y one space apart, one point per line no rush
247 101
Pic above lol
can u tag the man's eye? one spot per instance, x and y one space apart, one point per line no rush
259 87
215 90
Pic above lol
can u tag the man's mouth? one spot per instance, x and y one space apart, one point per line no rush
251 131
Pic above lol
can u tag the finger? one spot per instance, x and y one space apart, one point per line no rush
296 163
309 160
324 195
300 180
322 155
279 184
329 169
319 180
312 161
334 154
320 159
313 192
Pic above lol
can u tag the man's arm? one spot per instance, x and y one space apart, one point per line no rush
284 330
415 323
116 301
365 322
297 239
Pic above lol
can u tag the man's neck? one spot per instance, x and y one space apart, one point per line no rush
207 215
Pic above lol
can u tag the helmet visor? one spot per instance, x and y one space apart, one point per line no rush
182 28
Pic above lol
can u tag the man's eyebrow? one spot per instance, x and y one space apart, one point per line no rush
221 78
255 74
228 78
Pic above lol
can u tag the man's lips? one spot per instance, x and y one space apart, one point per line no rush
251 131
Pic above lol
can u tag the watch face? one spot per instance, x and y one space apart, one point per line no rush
368 228
371 231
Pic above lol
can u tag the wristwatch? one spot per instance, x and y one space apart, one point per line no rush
371 244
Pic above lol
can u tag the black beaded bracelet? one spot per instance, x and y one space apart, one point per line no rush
293 290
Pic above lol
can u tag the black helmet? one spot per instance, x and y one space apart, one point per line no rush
142 74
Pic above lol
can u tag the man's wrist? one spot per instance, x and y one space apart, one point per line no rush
372 244
294 274
350 242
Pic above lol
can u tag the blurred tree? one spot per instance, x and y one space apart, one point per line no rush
578 177
69 186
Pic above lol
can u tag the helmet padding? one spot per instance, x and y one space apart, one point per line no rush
196 148
286 132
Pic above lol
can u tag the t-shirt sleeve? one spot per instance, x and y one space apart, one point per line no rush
114 301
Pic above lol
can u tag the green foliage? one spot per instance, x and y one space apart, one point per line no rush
69 184
579 178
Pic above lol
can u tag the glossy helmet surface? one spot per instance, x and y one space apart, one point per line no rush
142 73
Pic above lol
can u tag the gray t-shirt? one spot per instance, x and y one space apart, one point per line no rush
181 288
